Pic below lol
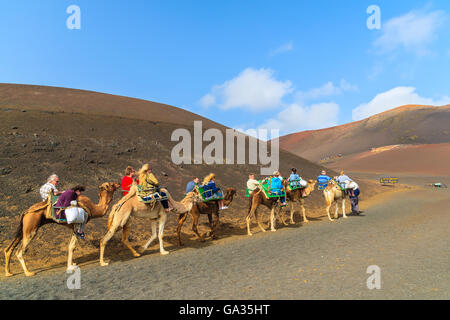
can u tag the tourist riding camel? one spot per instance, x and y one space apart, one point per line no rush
36 217
273 201
211 190
210 208
323 180
127 180
276 187
192 184
147 181
252 185
136 205
299 195
69 199
50 186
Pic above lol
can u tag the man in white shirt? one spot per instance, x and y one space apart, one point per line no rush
51 184
252 184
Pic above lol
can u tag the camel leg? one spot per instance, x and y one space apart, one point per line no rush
8 251
181 220
292 213
104 241
72 244
195 219
280 215
304 212
153 237
248 219
343 209
328 211
336 213
125 235
162 223
25 242
212 225
272 220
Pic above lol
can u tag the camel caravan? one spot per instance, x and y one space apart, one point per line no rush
142 196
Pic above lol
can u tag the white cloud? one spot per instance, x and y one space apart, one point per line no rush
282 49
412 31
328 89
393 98
208 100
298 118
256 90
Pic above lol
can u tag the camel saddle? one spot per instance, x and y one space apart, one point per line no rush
264 186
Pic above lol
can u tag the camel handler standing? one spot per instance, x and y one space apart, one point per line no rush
353 193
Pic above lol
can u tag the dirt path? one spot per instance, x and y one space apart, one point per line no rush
406 235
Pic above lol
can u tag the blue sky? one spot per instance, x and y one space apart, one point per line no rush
292 65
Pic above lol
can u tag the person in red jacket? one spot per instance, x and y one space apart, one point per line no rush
127 181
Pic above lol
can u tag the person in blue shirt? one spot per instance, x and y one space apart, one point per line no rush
323 180
276 187
192 184
342 180
294 175
209 185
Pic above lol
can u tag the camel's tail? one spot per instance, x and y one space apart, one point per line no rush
18 234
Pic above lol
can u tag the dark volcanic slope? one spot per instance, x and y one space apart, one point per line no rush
91 149
404 125
30 97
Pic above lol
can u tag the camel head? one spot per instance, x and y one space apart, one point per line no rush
192 197
229 195
108 188
231 192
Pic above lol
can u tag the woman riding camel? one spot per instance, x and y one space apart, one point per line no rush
147 180
209 183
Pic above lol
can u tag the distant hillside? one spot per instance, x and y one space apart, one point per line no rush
410 124
30 97
429 159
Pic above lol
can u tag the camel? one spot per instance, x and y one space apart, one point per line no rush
210 208
34 218
299 196
129 206
257 198
333 193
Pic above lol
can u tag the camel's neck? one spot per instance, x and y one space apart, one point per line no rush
101 208
228 199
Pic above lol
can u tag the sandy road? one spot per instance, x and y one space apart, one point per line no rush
406 235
